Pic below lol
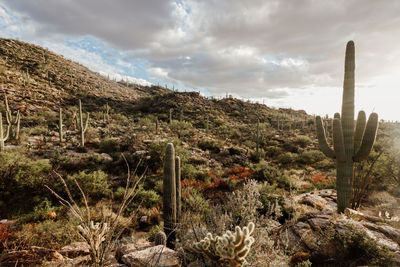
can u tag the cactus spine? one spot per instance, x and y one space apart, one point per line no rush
2 137
60 125
350 144
81 126
169 195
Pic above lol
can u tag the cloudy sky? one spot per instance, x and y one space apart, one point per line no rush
287 53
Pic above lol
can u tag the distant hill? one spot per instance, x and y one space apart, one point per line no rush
37 79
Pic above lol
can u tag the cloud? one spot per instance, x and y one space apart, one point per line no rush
248 48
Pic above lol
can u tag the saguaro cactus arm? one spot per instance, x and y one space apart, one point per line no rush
359 132
338 142
178 188
325 148
86 122
368 138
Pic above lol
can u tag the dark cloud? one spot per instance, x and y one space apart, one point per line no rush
249 48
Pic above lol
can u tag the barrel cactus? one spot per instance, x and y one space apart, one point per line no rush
351 143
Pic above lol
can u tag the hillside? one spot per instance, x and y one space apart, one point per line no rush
268 157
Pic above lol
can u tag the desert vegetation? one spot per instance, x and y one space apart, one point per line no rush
95 172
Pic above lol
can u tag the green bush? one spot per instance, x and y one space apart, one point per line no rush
303 141
325 164
109 146
209 144
362 250
265 172
310 157
94 184
286 158
181 128
147 198
188 171
272 151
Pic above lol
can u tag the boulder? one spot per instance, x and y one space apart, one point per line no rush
29 257
157 256
321 230
123 250
75 249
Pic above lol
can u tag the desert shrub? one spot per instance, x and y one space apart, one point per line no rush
272 151
19 177
194 202
290 148
264 171
325 164
235 151
286 158
147 198
40 212
209 144
37 130
109 146
303 141
181 128
94 184
362 250
188 171
310 157
91 135
146 123
49 234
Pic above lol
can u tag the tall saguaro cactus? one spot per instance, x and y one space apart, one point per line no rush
169 195
351 143
2 137
82 127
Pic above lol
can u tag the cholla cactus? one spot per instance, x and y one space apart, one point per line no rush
230 249
95 235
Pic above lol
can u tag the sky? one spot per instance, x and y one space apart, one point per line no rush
281 52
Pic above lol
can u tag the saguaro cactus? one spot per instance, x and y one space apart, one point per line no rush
169 195
2 137
81 126
170 116
178 188
13 124
350 144
60 125
258 136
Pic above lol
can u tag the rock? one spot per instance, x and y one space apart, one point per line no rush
123 250
321 230
106 157
9 223
75 249
315 201
33 256
152 256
